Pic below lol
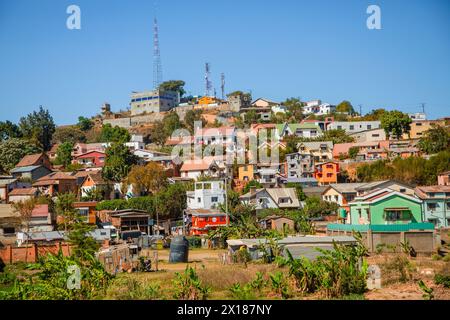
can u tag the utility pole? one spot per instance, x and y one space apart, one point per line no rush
360 110
222 85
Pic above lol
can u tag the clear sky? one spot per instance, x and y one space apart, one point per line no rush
277 49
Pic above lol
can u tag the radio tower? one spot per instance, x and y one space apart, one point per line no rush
208 84
157 68
222 85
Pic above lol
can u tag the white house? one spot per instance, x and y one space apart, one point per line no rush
195 168
354 126
279 109
207 195
271 198
318 108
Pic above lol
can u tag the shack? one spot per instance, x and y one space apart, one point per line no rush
298 246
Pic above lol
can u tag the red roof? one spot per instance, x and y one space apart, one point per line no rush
91 154
29 160
23 192
41 210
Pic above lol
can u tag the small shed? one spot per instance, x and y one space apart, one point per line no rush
278 223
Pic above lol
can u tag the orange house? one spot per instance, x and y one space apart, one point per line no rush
85 209
203 220
326 172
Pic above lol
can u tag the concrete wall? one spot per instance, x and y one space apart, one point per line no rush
421 241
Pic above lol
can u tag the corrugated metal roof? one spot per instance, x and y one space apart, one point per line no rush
24 169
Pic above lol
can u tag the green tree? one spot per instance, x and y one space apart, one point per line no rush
396 123
13 150
171 201
114 134
84 245
39 127
64 154
9 130
353 152
158 134
191 117
435 139
84 124
251 117
374 115
337 136
295 109
298 188
70 134
173 85
252 183
345 107
118 163
64 206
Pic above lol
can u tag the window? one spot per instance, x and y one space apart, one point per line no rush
397 215
339 127
9 231
369 127
199 199
432 206
402 190
329 175
352 127
207 186
418 124
368 214
375 135
214 199
359 212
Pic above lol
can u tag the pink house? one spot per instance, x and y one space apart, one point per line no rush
91 159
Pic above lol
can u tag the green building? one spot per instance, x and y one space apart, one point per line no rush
385 207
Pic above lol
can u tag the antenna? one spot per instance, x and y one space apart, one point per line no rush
423 107
222 85
157 67
208 84
360 110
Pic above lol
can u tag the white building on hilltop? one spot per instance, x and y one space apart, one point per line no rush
318 108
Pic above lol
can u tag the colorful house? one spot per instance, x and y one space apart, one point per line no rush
203 220
385 207
306 130
56 182
247 172
326 172
91 159
436 204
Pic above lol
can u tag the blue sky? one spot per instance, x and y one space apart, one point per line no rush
277 49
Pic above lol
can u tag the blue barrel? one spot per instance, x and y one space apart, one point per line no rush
179 249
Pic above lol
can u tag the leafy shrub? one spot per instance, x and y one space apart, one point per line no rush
336 273
187 286
194 242
442 279
280 284
239 292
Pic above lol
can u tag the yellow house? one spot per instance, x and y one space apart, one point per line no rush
246 172
320 150
206 100
419 127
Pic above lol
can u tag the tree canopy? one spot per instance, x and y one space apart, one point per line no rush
173 85
9 130
13 150
70 134
118 163
64 154
435 139
345 106
39 127
114 134
396 123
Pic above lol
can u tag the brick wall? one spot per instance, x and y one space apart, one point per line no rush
11 254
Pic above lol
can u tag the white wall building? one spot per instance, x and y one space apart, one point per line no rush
354 126
207 195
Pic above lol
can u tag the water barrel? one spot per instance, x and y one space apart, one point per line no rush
343 213
179 249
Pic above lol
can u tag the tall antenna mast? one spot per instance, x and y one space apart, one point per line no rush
208 84
157 68
222 85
